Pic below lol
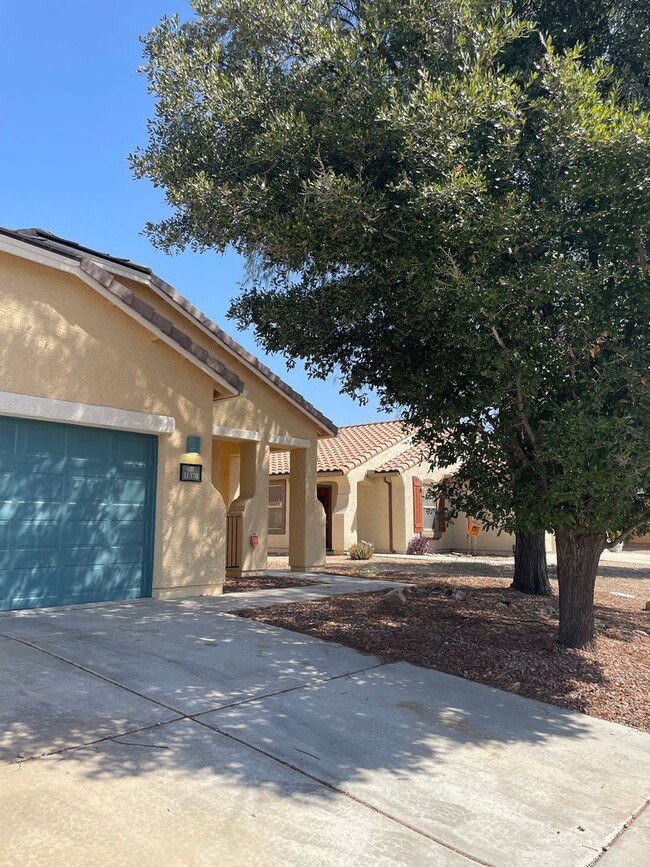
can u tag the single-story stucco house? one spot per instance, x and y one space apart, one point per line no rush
374 486
135 436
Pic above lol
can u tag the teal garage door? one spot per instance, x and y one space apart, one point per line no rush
76 514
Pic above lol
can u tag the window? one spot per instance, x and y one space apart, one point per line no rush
433 511
429 508
278 507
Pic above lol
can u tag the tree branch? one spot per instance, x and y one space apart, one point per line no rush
645 517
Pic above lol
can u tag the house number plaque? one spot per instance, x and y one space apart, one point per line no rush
191 472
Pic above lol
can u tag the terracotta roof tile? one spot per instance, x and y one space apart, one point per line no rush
147 312
279 462
405 460
353 446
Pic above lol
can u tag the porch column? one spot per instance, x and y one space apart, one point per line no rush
306 515
343 517
250 508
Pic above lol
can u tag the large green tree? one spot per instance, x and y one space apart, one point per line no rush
444 214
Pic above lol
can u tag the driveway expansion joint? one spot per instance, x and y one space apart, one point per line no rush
306 685
622 831
97 675
386 815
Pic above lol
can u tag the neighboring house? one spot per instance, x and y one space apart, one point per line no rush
638 542
134 436
373 484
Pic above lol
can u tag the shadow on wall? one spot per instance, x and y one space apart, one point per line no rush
188 659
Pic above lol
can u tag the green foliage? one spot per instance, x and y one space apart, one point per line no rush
439 204
361 551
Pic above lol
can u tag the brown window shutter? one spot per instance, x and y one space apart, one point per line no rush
418 524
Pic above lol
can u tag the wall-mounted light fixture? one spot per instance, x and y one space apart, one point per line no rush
193 445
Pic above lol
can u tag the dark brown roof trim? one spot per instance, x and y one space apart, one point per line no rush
148 313
72 250
238 349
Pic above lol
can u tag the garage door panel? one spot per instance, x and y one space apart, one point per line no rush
7 438
31 559
128 512
76 522
41 439
101 583
24 511
35 535
118 555
88 448
36 487
103 534
89 489
31 588
129 491
131 453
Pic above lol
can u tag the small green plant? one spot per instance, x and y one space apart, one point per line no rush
361 551
419 545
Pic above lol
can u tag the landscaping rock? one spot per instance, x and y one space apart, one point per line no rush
621 634
395 598
460 595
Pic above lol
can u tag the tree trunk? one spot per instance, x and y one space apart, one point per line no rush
531 574
577 563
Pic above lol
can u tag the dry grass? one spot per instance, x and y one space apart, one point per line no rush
494 635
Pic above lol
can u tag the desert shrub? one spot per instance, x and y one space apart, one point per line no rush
361 551
419 545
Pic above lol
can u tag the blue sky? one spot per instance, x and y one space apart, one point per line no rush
72 108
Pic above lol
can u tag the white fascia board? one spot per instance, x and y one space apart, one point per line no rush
28 251
89 415
289 442
233 433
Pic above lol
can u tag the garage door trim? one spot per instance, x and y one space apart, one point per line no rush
30 406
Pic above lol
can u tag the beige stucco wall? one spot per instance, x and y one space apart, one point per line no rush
60 339
642 541
455 538
360 504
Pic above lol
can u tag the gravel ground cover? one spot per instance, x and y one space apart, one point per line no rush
264 582
460 617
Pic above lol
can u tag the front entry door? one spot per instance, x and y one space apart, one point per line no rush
324 494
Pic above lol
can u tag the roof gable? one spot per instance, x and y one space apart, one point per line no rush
103 268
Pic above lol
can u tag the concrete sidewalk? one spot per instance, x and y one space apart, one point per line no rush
174 733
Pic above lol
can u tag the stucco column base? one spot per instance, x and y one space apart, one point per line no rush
245 573
306 514
187 591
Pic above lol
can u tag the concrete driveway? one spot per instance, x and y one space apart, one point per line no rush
173 733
